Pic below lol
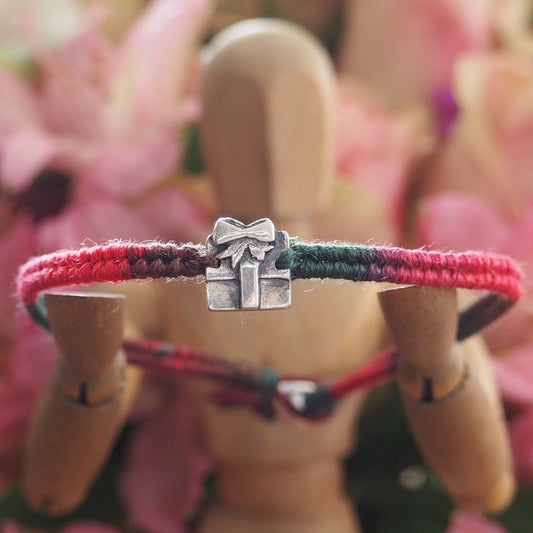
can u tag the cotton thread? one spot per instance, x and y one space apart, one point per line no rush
118 260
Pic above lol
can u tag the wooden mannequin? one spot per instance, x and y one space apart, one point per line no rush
268 105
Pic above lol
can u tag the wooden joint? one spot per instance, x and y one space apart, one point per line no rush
432 385
93 392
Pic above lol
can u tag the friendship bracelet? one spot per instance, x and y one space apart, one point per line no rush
251 267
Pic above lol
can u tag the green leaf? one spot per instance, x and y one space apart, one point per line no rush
193 160
519 517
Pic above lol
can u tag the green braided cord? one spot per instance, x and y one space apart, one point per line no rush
329 261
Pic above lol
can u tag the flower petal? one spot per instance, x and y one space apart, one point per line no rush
89 527
461 222
514 375
96 219
23 374
173 215
151 67
10 527
521 435
489 153
18 104
16 246
25 154
130 167
407 50
376 148
467 522
163 476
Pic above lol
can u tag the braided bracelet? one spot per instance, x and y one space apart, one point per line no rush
251 267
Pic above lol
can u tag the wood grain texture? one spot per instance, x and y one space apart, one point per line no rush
267 127
81 409
459 427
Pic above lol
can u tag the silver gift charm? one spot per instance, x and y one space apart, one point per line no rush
247 277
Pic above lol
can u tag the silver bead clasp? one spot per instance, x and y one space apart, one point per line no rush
247 277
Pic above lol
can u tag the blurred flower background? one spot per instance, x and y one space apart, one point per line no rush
99 139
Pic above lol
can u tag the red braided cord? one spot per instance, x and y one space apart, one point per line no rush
470 270
115 261
182 360
378 370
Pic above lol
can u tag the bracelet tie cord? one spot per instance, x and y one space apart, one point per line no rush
250 267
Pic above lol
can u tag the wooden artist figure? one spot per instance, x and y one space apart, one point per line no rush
268 98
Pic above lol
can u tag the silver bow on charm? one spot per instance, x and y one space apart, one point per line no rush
247 277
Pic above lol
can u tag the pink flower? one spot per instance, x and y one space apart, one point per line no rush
105 117
479 189
98 101
55 21
24 371
75 527
16 246
163 476
86 153
514 373
489 153
521 436
457 221
377 149
407 50
89 527
467 522
480 196
10 527
151 66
